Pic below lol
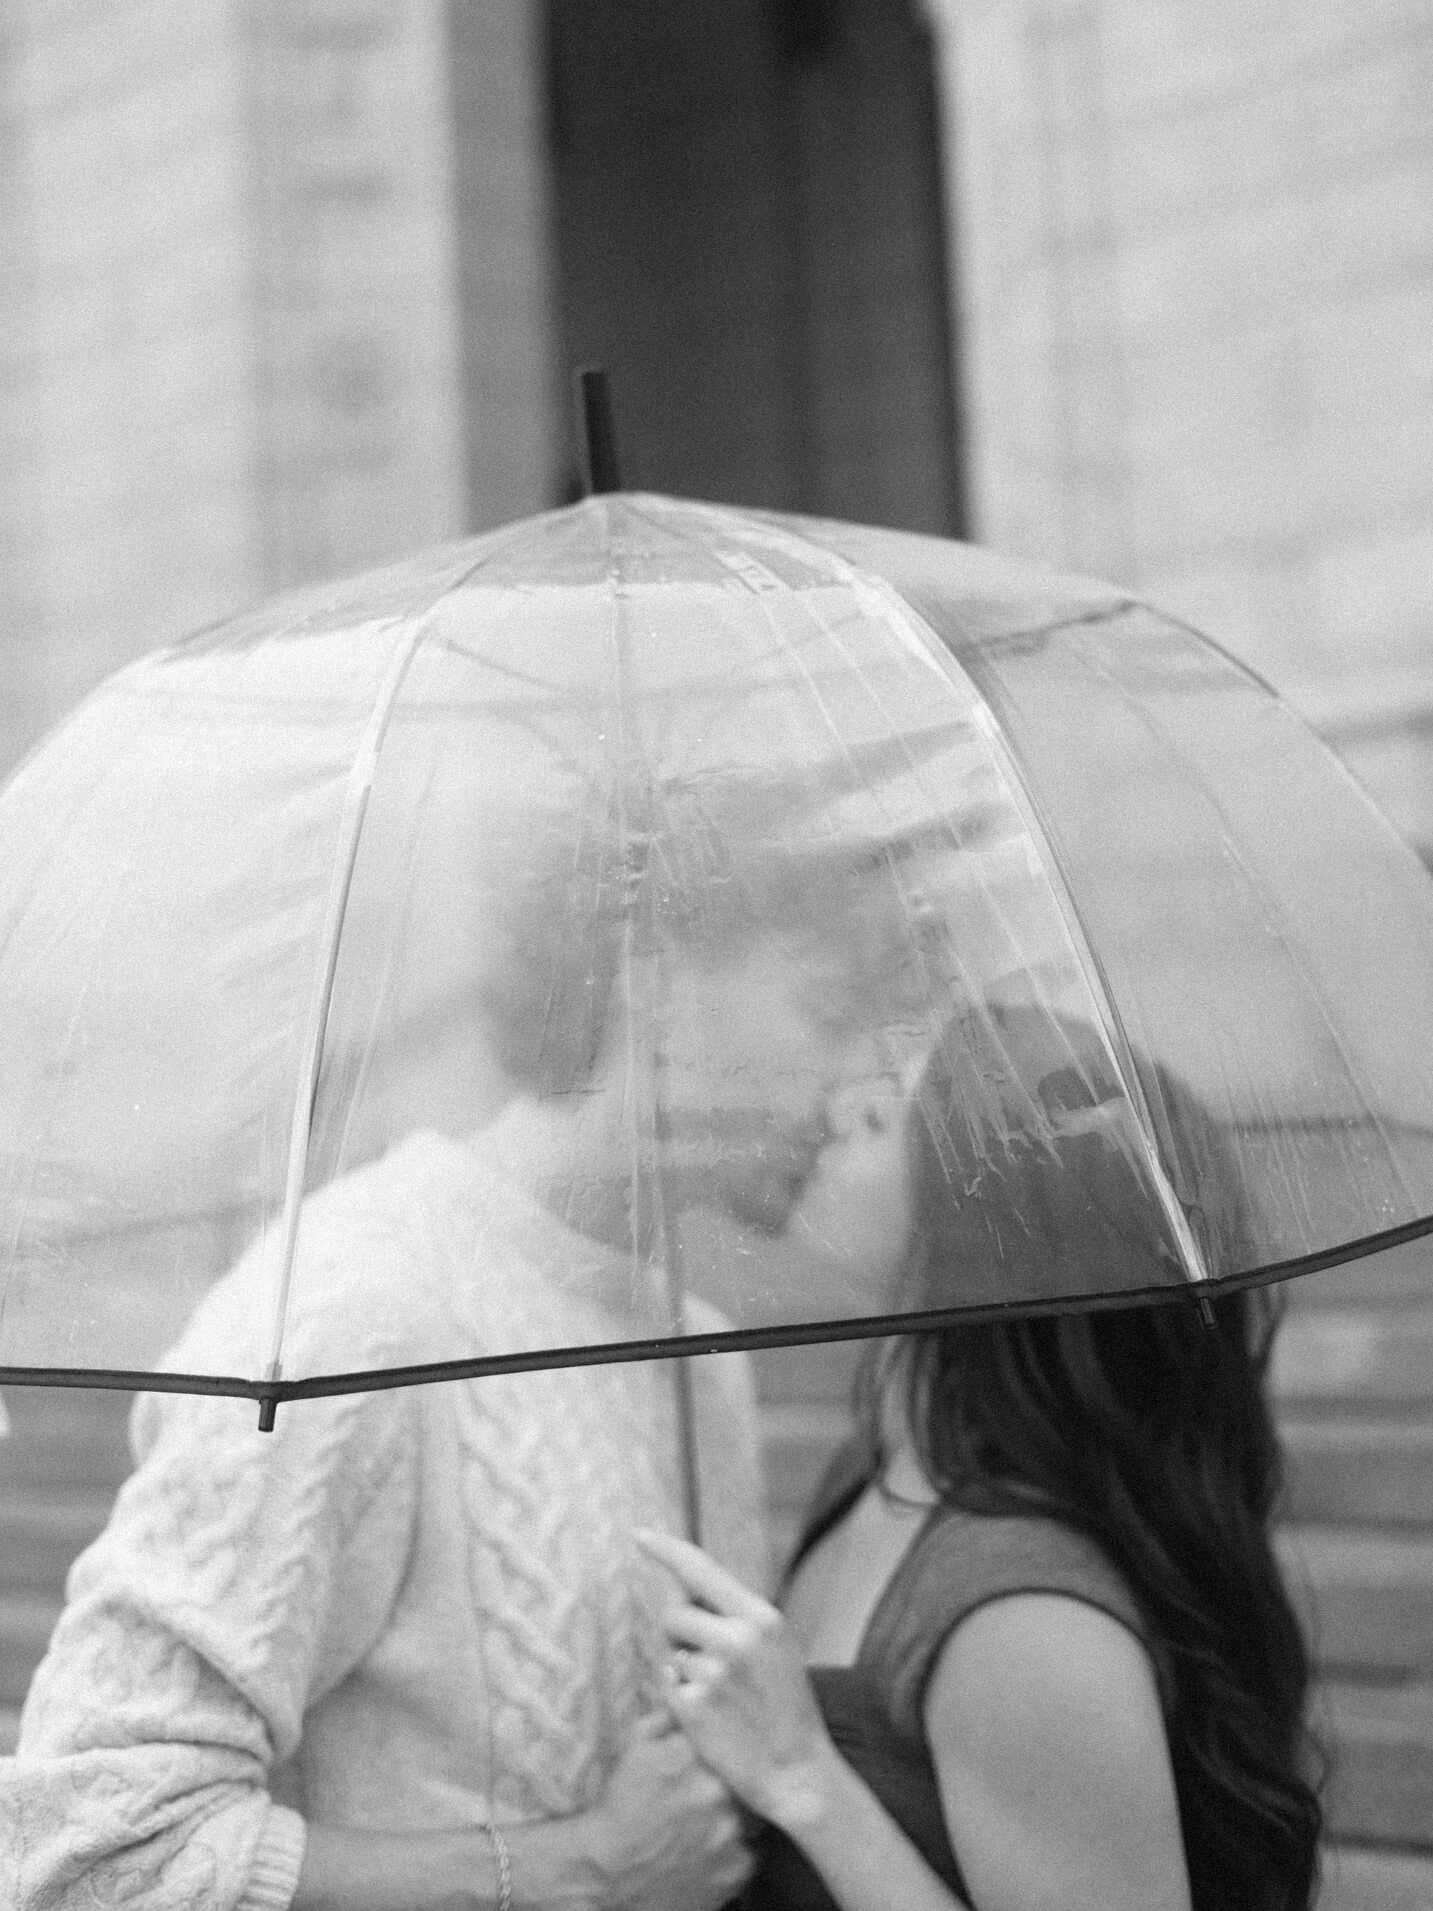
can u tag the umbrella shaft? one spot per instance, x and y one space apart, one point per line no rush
687 1449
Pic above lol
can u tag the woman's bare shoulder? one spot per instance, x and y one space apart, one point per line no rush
1044 1721
1038 1653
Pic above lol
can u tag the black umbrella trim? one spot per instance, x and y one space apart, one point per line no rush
269 1394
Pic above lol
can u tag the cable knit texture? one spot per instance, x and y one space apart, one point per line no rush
399 1610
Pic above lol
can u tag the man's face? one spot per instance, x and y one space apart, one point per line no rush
750 1053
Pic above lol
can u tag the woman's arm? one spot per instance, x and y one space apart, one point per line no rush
742 1695
1044 1725
1044 1721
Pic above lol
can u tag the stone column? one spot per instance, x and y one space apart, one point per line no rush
22 701
402 285
1031 242
358 413
124 369
515 398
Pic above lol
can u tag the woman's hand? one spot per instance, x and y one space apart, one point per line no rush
665 1831
739 1690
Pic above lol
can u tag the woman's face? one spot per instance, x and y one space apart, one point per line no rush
856 1212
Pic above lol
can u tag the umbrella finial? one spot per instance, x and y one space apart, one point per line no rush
597 433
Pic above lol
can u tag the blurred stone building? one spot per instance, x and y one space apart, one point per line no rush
1142 287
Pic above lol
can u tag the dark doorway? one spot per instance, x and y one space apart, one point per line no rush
750 237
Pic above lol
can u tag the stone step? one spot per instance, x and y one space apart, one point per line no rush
64 1436
1365 1597
1366 1590
41 1532
1372 1355
1380 1786
1340 1468
1379 1736
1351 1466
1375 1354
1357 1876
1379 1739
820 1372
1364 1878
1399 1274
26 1622
799 1437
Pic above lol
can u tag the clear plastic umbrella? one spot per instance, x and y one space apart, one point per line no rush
551 819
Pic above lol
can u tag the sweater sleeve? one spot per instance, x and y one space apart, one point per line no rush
240 1576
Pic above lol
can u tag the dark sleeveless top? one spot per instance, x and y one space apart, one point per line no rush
874 1708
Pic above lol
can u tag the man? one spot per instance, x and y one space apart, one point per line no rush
403 1650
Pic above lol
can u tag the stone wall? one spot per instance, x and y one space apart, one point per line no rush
511 403
125 443
356 401
1195 276
256 293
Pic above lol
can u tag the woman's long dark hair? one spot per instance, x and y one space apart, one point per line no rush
1148 1429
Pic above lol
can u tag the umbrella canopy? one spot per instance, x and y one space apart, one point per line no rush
648 822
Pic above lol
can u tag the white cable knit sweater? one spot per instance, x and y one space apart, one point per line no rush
399 1610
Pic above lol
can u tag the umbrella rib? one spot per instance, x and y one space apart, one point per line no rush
131 743
932 651
629 753
1110 1025
1257 888
937 655
355 804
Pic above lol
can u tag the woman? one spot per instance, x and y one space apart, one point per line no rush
1053 1663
